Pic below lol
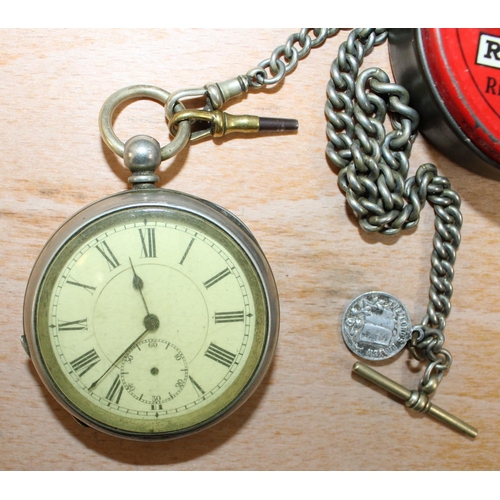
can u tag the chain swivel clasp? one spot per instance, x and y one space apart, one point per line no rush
215 95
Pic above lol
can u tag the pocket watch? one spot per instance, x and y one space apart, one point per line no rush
150 314
153 314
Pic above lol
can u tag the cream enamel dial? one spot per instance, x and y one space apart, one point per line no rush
151 315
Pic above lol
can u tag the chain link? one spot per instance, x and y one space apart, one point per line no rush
284 58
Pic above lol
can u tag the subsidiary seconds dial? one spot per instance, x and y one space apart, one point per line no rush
154 372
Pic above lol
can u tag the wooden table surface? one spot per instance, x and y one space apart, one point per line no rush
310 412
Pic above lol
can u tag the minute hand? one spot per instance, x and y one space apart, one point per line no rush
152 324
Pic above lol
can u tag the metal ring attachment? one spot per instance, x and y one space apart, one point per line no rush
137 92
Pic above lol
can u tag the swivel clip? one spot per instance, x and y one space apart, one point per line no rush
215 95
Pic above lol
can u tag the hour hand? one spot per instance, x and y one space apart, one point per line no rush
138 284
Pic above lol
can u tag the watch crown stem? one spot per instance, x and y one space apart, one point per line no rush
142 156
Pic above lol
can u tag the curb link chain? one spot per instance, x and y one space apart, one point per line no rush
373 174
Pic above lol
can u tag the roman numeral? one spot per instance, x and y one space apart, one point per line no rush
90 289
220 355
85 362
108 255
79 324
196 386
215 279
186 252
148 240
229 317
115 391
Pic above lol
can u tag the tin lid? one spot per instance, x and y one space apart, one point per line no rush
465 66
460 67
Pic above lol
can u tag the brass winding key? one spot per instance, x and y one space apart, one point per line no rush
415 400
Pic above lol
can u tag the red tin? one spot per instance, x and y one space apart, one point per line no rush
453 76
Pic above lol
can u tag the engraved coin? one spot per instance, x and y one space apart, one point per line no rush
376 326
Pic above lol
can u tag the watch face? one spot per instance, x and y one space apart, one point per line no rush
152 320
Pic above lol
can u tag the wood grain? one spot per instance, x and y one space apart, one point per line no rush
310 413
